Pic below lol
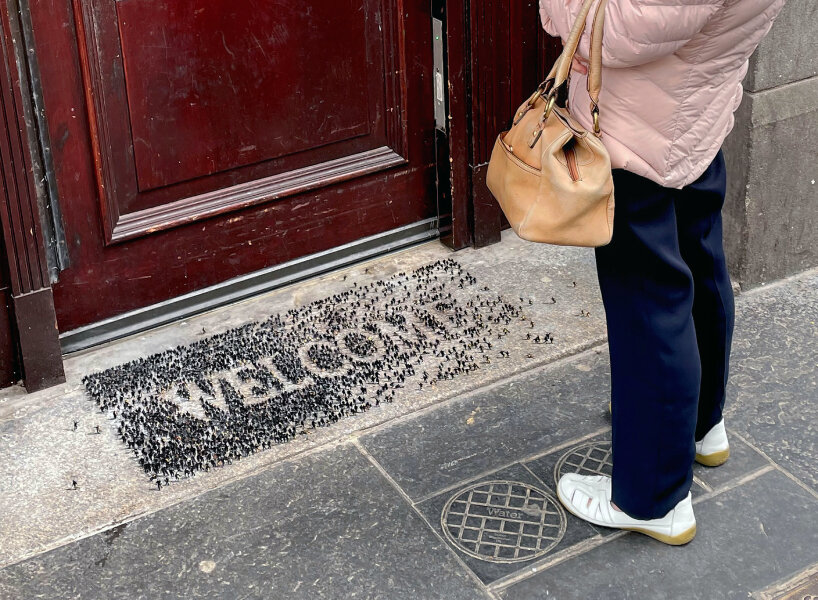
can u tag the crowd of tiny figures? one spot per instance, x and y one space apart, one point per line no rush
267 382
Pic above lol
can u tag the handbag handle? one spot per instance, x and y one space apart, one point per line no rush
559 72
594 81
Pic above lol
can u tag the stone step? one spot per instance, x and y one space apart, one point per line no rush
553 287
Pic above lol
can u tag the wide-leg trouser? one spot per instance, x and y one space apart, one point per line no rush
670 315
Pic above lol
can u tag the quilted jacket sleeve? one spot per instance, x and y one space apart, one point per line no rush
636 31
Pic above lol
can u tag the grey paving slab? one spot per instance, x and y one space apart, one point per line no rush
743 460
488 569
773 399
495 427
747 538
324 526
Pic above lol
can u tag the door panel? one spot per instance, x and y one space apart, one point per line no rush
178 127
196 141
203 106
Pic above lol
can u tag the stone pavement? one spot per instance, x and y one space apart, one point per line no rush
439 495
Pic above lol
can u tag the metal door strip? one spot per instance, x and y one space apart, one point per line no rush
252 284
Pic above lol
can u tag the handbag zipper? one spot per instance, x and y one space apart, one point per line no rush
571 161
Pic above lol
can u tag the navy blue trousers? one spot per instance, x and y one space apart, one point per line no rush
670 315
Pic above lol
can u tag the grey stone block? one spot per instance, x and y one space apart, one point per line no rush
774 380
484 431
324 526
771 213
790 51
743 461
747 538
734 215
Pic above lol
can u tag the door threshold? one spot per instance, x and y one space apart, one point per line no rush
246 286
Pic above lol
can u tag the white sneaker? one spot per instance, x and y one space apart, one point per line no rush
589 497
713 449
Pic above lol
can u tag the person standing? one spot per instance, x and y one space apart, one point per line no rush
672 72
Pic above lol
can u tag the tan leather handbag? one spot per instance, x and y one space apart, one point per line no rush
551 177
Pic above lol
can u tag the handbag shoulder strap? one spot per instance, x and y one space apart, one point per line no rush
562 66
595 66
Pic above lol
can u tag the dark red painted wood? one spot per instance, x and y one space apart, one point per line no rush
498 53
186 61
29 345
240 219
508 53
194 233
22 234
38 340
204 98
460 105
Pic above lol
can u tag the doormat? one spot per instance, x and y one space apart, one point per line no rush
227 396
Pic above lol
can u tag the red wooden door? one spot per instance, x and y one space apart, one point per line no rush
199 140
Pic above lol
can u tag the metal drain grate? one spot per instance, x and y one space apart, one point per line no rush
503 521
592 458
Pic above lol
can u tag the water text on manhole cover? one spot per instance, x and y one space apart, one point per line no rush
503 521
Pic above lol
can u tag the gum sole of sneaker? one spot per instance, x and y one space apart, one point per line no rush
713 460
671 540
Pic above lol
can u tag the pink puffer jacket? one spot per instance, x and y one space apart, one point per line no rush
671 78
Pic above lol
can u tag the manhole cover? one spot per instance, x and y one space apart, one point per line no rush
503 521
592 458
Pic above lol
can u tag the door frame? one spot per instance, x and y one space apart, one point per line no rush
31 319
495 53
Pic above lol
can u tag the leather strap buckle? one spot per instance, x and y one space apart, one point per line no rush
543 88
595 115
549 104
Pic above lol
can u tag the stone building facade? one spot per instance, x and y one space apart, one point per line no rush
771 211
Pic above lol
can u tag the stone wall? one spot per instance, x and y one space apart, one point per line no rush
771 211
